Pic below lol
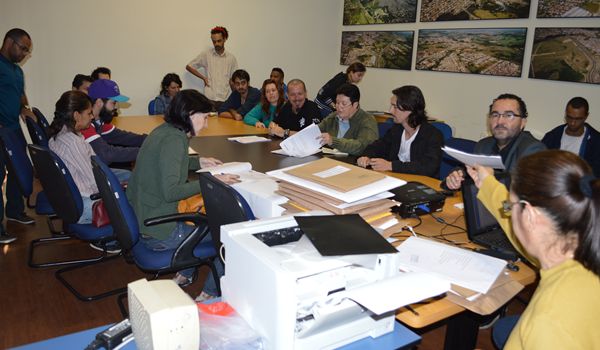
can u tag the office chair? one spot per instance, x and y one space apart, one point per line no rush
223 205
385 126
42 121
191 253
66 200
448 162
151 108
36 132
19 165
444 128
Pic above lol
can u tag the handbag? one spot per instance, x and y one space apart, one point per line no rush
194 203
99 214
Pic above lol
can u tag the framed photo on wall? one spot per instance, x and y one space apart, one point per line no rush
566 54
489 51
378 49
379 11
464 10
568 9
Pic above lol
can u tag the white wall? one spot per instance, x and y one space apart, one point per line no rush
462 100
141 40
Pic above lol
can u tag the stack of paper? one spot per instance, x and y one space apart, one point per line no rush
304 143
248 139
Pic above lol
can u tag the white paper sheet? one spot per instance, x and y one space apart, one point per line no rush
462 267
191 151
395 292
249 139
333 151
473 159
303 143
227 168
352 196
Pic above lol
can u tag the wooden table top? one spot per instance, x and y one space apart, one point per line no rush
214 143
144 124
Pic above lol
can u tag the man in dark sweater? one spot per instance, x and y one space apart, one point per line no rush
297 113
242 99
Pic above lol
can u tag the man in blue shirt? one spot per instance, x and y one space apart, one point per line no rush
242 100
13 103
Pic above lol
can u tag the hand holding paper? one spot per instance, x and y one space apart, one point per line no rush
303 143
475 159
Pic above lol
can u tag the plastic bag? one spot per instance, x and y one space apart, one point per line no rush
222 328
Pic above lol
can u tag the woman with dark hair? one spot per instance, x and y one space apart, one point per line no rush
411 145
552 216
271 101
326 97
169 87
160 178
73 113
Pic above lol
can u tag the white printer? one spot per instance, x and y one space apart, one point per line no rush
297 299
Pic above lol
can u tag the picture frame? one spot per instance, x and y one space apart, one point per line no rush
465 10
357 12
378 49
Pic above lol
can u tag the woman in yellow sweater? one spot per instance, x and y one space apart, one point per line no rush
552 212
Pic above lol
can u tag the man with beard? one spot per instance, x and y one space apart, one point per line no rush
109 143
507 118
576 135
297 113
242 100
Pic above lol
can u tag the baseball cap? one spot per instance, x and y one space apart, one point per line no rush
105 88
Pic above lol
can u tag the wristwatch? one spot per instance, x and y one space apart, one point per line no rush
286 133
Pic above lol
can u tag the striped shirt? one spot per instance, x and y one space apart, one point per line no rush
219 69
72 149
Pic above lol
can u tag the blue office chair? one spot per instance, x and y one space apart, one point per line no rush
191 253
66 200
42 121
36 132
385 126
448 162
444 128
151 108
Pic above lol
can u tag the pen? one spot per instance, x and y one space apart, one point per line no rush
409 308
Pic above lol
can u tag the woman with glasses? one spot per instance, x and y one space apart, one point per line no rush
326 97
271 101
169 87
552 215
411 145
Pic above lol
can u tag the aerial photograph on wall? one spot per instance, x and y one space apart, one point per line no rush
379 11
378 49
463 10
491 51
566 54
568 8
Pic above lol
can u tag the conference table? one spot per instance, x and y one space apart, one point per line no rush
213 142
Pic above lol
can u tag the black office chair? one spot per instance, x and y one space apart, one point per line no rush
36 132
223 205
190 253
65 198
42 121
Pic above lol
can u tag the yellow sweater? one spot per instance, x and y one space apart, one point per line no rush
563 311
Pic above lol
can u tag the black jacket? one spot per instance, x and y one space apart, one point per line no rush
590 147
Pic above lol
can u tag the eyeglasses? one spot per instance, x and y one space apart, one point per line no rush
342 104
508 205
23 48
509 115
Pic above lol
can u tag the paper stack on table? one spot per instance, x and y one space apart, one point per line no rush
248 139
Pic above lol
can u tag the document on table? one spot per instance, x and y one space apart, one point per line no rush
333 151
249 139
473 159
191 151
302 144
227 168
462 267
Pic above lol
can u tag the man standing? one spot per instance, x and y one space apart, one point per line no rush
507 118
13 102
219 66
297 113
348 129
576 135
109 143
242 100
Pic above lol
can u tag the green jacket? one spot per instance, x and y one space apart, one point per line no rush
160 178
362 132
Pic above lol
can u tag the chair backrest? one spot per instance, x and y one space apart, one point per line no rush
385 126
151 107
16 160
42 121
122 216
444 128
449 163
36 132
223 204
56 180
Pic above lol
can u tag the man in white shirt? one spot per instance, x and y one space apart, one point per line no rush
219 66
576 135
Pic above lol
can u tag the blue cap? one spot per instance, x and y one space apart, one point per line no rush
106 88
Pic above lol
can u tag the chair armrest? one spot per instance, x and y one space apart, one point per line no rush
95 196
196 218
